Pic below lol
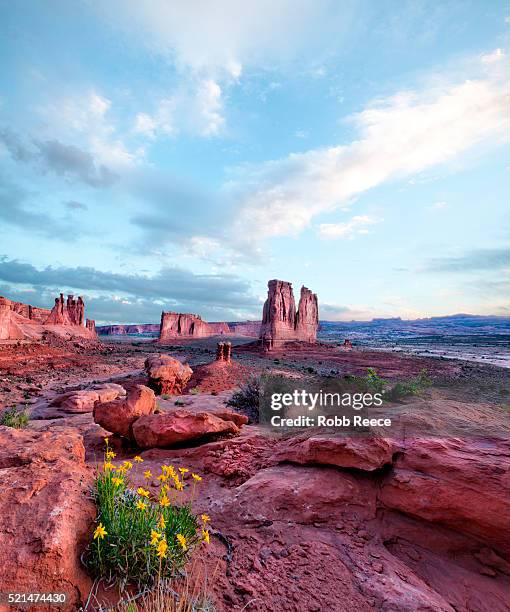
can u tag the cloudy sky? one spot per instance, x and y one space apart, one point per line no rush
178 154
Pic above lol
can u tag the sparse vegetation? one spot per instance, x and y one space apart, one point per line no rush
15 417
247 399
414 386
142 538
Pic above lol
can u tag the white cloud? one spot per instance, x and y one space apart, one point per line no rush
357 225
196 107
87 120
399 136
496 56
220 38
438 206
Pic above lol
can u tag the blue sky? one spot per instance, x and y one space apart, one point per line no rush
177 155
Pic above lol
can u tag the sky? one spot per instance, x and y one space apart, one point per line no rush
176 155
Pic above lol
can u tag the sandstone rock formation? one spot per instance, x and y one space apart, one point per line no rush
121 330
281 322
19 321
224 352
9 330
177 426
77 402
347 344
46 513
245 328
91 326
119 415
183 325
167 375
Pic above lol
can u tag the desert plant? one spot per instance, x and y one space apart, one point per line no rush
247 399
15 417
141 536
373 382
414 386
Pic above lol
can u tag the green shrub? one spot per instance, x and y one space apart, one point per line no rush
247 399
142 536
414 386
15 417
195 391
373 382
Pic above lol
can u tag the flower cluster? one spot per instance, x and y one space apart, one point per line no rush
144 531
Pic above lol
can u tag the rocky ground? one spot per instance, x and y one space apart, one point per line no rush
316 521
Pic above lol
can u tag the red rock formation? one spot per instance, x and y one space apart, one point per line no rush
224 352
280 320
167 375
46 514
184 325
245 328
307 317
9 330
119 415
347 344
177 426
91 326
120 330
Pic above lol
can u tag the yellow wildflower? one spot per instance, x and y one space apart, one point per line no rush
117 481
106 440
140 505
155 537
138 459
205 536
143 492
183 470
164 489
127 464
182 541
110 455
162 547
108 466
206 518
178 485
100 532
164 501
196 477
121 469
163 477
147 474
161 522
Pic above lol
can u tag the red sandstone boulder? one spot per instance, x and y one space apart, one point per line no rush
363 453
167 375
463 484
84 400
46 513
177 426
119 415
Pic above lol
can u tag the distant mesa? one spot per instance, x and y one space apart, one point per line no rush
147 329
183 325
20 321
282 322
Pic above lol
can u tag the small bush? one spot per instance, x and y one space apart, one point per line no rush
195 391
247 399
414 386
15 417
141 537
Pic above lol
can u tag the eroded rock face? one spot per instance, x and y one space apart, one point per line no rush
177 325
91 326
281 322
463 484
167 375
65 313
119 415
77 402
9 330
177 426
46 514
224 352
363 453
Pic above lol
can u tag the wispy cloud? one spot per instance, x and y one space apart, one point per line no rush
357 225
399 136
477 259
